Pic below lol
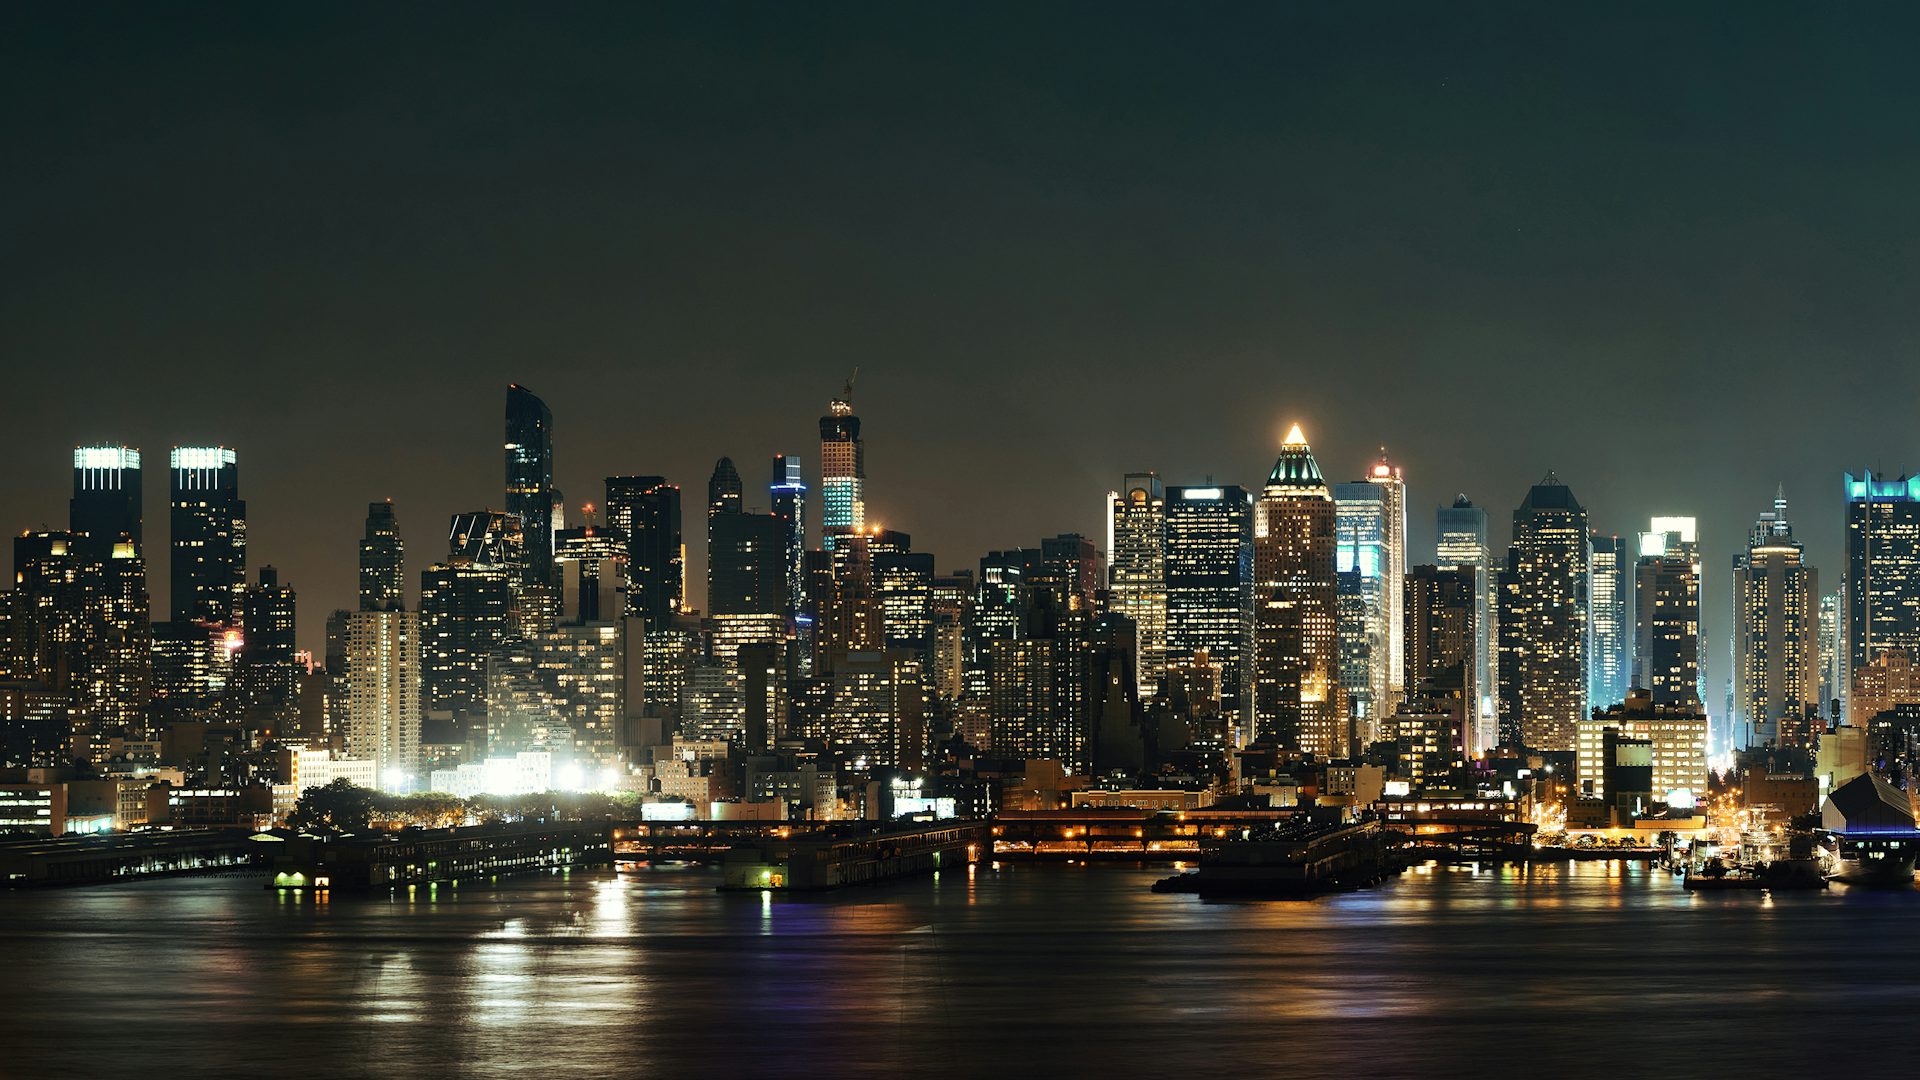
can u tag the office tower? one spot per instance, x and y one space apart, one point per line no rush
843 471
724 489
647 510
1295 565
1833 651
1666 606
1883 567
191 665
1393 488
1030 717
1776 637
530 495
209 524
716 701
1210 592
1879 688
903 580
587 561
1542 620
81 628
560 692
383 569
764 700
1137 569
1442 612
789 501
1360 522
465 614
747 575
382 688
106 506
952 610
1610 663
267 670
1677 738
999 608
485 538
878 718
1461 543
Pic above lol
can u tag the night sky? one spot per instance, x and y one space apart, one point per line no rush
1670 256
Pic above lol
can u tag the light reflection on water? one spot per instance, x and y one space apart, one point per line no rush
1031 969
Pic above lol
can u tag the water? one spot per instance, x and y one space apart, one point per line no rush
1031 970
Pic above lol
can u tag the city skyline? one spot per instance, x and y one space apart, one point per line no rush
1361 252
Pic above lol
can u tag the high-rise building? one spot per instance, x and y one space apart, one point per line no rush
1393 489
1776 637
383 694
1883 567
953 595
879 711
1441 611
589 591
486 538
267 671
725 492
209 525
746 571
1360 517
106 506
999 610
903 581
1461 544
560 692
1610 665
1833 651
1666 603
1137 569
789 500
1295 542
465 614
1210 591
843 471
81 628
1542 617
646 509
383 561
530 494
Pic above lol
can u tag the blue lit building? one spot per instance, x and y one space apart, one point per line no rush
1883 567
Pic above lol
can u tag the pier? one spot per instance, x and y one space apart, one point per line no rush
434 856
851 855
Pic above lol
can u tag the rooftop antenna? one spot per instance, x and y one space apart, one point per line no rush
846 393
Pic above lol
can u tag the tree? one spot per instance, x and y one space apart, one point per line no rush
342 806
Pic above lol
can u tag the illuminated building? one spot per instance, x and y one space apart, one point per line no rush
1067 568
747 580
106 506
383 693
789 500
878 716
530 494
1542 620
485 538
1442 626
843 471
191 665
1461 543
79 624
1891 680
1776 632
1360 559
589 592
465 614
1883 567
952 610
383 561
1295 594
904 582
1666 601
267 671
999 608
1210 591
715 705
1677 734
1137 569
1393 489
1610 663
1430 740
646 509
724 489
1028 716
1833 651
209 541
559 692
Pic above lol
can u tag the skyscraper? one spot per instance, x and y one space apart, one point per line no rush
465 610
383 569
724 489
1776 636
1833 651
1666 602
843 471
1883 567
1461 543
382 688
1360 516
1210 591
209 525
789 502
1294 556
1441 613
746 568
1610 665
106 505
267 673
647 510
1393 489
1137 569
1543 620
530 496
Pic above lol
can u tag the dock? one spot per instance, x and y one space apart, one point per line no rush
439 856
853 854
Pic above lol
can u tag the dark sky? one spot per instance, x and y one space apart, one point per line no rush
1671 256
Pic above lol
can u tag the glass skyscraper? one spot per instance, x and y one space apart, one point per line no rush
1210 591
1137 570
1461 543
843 471
1543 620
1666 605
1776 636
1883 568
209 542
106 502
646 509
789 500
1610 670
1360 516
530 482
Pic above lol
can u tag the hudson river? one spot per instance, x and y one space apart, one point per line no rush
1029 971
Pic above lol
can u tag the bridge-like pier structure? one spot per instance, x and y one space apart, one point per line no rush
1489 830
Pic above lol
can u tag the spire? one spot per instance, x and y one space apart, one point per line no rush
1295 472
1295 438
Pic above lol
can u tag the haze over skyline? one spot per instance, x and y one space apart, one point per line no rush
1060 244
